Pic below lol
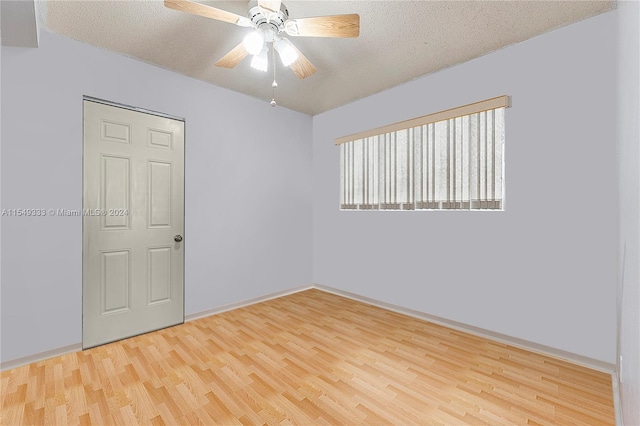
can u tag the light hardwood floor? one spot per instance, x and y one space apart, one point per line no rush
309 358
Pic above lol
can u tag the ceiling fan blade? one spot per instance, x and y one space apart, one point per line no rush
271 6
302 67
207 11
325 26
233 58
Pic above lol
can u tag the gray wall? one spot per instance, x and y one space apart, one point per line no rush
629 205
543 270
248 187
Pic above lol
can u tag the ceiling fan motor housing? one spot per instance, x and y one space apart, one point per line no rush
270 25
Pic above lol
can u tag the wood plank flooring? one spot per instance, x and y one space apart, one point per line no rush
311 358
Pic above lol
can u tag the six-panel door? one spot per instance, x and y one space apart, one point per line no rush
133 208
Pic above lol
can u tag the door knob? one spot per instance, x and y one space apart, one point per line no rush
177 238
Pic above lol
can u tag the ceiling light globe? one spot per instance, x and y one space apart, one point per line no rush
287 52
260 61
254 42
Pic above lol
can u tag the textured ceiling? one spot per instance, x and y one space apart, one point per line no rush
399 41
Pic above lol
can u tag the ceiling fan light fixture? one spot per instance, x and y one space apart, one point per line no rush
291 28
287 52
260 61
244 22
254 42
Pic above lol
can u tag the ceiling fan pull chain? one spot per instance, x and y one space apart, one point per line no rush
275 83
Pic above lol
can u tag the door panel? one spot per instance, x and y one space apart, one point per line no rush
115 281
159 139
133 197
115 187
159 274
115 132
159 194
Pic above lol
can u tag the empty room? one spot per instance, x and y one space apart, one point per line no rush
335 212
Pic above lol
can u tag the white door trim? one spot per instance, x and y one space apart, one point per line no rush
132 108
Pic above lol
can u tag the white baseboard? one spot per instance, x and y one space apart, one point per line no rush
476 331
520 343
41 356
617 406
244 303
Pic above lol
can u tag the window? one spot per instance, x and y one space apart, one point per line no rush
448 160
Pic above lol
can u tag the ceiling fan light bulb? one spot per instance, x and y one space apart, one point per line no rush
261 61
287 52
254 42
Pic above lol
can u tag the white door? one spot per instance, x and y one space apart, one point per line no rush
133 222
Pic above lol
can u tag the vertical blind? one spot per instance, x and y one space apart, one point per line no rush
456 163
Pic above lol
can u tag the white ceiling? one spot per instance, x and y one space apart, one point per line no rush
399 41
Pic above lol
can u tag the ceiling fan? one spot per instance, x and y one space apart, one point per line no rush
270 20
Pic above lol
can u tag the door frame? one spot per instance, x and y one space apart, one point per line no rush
132 108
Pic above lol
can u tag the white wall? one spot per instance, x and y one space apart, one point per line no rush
544 270
248 199
629 206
